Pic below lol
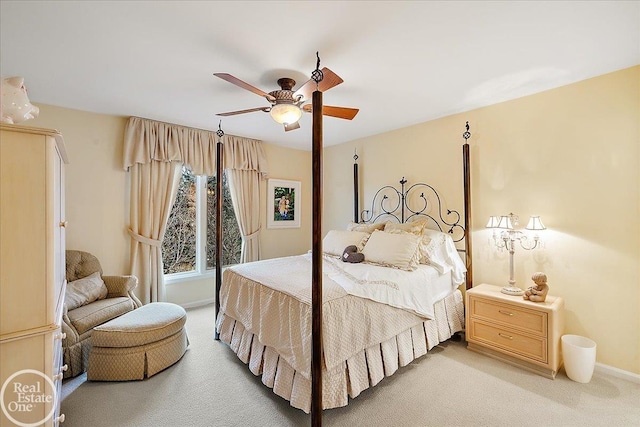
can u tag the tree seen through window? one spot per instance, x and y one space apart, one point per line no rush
188 247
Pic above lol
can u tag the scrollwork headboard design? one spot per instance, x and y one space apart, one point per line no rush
397 204
390 203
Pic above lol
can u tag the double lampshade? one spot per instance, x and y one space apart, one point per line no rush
504 222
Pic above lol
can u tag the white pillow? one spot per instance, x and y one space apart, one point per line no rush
398 249
84 291
436 248
335 242
429 232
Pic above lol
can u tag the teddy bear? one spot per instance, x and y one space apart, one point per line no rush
537 293
351 254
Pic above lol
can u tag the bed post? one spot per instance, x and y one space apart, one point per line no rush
355 187
219 172
467 207
316 265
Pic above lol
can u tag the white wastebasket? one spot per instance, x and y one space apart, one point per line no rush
579 355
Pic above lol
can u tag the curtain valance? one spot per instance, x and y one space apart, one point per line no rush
146 140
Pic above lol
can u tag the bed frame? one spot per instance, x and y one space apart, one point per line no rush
316 247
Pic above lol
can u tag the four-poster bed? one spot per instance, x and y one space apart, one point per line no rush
274 321
266 315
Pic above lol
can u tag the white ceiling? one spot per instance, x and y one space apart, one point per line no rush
402 62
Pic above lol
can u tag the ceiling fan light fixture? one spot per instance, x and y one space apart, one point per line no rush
286 113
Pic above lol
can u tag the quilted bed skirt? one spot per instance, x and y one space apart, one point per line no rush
363 370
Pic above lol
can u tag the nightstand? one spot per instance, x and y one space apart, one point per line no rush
514 330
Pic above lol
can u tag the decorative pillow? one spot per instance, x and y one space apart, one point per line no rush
413 227
351 254
84 291
367 228
336 240
398 249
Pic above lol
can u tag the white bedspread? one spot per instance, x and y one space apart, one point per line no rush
272 299
415 291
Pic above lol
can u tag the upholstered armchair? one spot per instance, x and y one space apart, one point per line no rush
78 323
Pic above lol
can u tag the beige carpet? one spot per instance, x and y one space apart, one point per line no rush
450 386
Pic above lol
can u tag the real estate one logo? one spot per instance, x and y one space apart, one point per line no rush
27 398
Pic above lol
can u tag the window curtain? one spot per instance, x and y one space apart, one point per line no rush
153 191
154 153
244 185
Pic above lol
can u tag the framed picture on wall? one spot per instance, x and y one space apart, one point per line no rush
283 204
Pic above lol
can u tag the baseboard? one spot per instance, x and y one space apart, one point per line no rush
618 373
200 303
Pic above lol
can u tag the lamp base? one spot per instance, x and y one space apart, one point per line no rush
512 290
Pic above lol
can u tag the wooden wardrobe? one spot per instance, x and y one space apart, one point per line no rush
32 271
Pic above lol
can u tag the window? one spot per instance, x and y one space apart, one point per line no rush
189 244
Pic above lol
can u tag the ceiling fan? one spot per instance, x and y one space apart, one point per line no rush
286 105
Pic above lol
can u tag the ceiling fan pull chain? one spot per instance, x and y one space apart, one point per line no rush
317 74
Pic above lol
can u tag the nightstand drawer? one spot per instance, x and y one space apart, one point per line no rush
530 321
527 346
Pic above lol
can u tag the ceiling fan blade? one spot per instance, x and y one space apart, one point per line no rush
330 79
292 126
250 110
339 112
244 85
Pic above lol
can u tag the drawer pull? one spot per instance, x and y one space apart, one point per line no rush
63 224
60 336
509 337
58 377
64 367
60 419
505 312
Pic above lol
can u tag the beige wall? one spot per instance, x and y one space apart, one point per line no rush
285 163
97 195
95 183
570 155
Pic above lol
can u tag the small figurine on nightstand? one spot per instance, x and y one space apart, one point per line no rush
537 293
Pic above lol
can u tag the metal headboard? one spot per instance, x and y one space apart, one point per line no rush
392 204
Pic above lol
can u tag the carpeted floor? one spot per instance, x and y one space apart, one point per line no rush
450 386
